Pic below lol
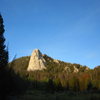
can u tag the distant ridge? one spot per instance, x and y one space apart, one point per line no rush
38 61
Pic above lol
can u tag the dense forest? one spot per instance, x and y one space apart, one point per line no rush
55 83
59 79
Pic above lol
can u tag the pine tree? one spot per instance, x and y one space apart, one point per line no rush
3 62
3 52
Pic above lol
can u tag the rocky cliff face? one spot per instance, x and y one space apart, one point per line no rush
37 62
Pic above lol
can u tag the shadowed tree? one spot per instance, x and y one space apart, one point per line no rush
3 61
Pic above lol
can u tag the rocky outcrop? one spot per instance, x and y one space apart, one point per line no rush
87 69
67 69
37 62
76 70
56 61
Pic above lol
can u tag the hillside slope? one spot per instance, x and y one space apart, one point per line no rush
52 65
58 75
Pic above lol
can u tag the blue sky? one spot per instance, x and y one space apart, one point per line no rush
68 30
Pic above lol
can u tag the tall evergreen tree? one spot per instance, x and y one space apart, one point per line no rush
3 62
3 52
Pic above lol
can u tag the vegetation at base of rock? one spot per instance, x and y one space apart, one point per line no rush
54 78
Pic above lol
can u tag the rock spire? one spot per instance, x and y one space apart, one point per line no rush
37 62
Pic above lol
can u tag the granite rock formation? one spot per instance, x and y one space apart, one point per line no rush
37 62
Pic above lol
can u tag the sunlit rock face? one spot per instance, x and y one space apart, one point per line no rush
76 70
67 69
37 62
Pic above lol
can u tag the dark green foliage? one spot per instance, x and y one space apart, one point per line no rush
4 76
3 52
51 86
